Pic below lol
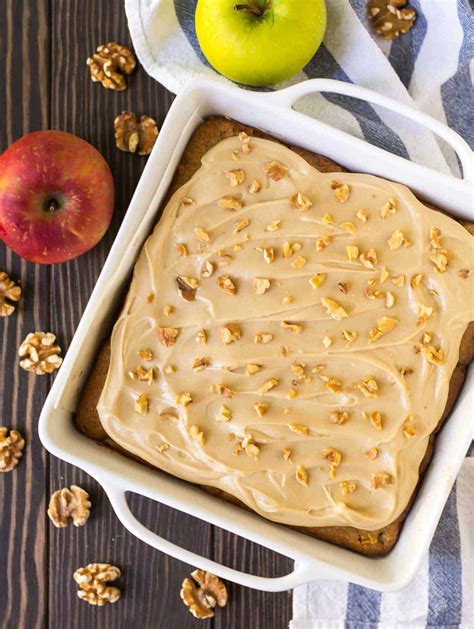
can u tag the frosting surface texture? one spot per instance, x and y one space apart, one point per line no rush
289 337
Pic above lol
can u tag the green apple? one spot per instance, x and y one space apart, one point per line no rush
260 42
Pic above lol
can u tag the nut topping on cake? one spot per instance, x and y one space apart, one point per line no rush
230 203
236 177
368 386
275 170
381 479
226 283
167 336
341 190
301 474
333 308
384 326
260 285
230 333
301 202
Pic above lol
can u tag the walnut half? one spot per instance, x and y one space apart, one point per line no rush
9 292
69 503
202 599
133 135
92 581
389 19
11 448
40 353
109 64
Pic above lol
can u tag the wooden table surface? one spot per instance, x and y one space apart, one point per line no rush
45 84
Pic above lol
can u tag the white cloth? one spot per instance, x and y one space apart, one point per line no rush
429 69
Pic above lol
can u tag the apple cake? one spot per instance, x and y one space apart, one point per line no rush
292 338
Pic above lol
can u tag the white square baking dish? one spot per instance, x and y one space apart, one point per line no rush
314 559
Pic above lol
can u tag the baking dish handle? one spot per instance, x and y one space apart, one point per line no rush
302 572
288 96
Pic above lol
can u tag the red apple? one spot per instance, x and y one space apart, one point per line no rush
56 196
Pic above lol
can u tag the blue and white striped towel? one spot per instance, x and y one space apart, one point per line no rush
428 68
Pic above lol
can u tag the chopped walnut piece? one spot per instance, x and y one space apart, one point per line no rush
268 254
333 308
142 404
375 419
384 326
416 280
199 364
273 226
184 399
327 219
252 369
299 429
287 454
260 285
245 142
201 234
352 252
464 273
288 249
226 284
145 354
109 64
333 384
230 203
181 249
291 394
40 353
399 280
432 354
230 333
408 427
349 336
9 292
68 503
347 488
187 287
388 208
343 287
372 453
323 242
261 408
263 337
327 342
268 385
302 475
222 389
187 202
252 450
362 215
141 374
169 369
368 387
317 280
167 336
389 19
236 177
341 190
255 187
11 448
301 202
196 433
132 134
440 259
275 170
240 225
384 275
381 479
389 300
424 313
208 269
348 227
295 328
201 337
332 456
338 417
298 262
369 258
92 580
396 240
224 414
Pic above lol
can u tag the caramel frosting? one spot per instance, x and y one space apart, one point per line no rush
289 337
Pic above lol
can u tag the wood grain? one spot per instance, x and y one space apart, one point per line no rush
43 48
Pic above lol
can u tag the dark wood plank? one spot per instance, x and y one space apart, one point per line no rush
24 42
43 48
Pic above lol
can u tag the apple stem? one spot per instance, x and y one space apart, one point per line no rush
52 205
250 6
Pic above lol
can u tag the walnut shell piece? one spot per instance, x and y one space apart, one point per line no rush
92 580
109 64
11 448
203 597
134 135
9 292
40 353
68 503
389 19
